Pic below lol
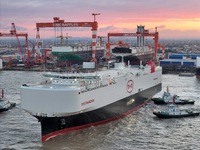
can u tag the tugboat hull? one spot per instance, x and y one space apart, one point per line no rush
6 109
165 115
160 101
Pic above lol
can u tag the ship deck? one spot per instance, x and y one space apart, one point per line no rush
73 81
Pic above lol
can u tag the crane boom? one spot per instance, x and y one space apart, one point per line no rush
93 25
13 33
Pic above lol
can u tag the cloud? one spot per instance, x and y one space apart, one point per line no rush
113 12
161 27
8 28
21 28
107 28
5 29
151 8
179 34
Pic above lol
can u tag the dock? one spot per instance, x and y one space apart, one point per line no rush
187 74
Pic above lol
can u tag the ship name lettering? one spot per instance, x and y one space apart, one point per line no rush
87 102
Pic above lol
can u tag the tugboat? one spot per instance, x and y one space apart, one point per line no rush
4 104
174 112
167 98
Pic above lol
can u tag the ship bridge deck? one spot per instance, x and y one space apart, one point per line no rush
88 81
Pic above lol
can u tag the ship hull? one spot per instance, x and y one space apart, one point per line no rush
53 126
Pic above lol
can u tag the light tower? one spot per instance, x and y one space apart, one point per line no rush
140 39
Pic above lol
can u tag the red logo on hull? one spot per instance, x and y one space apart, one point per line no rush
129 86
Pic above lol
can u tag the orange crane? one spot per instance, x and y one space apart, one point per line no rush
45 54
61 23
13 33
163 50
137 34
101 40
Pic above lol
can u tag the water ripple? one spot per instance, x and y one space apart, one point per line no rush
139 131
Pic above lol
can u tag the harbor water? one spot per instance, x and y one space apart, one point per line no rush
140 130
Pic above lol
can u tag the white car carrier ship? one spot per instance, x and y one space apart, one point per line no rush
72 101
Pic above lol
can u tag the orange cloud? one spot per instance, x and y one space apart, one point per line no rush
180 16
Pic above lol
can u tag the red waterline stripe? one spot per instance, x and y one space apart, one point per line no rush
67 130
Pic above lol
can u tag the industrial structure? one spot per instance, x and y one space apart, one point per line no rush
140 34
13 33
79 53
21 51
58 23
179 62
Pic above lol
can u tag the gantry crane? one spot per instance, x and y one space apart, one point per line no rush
13 33
137 34
57 22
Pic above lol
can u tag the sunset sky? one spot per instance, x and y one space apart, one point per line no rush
174 18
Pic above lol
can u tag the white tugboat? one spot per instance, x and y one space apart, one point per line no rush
174 112
168 98
4 104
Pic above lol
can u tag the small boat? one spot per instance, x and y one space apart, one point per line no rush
174 112
4 104
167 98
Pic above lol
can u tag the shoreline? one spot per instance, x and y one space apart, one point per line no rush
42 69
